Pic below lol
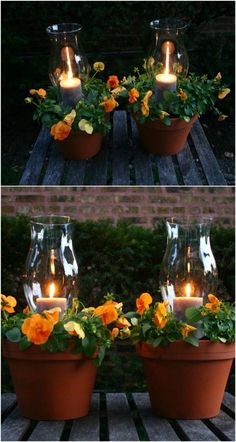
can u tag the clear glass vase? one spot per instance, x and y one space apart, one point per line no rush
169 38
188 270
51 270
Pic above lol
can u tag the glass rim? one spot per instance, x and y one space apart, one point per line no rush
190 221
51 220
169 24
69 28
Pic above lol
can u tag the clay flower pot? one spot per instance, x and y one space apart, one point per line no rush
186 382
80 145
159 139
50 386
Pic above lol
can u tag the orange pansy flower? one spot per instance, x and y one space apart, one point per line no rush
40 92
8 303
60 130
186 329
144 104
107 312
109 104
114 333
214 303
26 310
133 95
160 315
37 329
222 94
143 302
123 322
53 314
113 81
182 95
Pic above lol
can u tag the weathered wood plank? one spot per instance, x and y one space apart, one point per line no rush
157 428
87 428
56 163
166 171
34 165
120 423
76 172
229 401
47 430
187 167
209 163
196 430
14 426
142 159
99 166
7 401
120 149
225 424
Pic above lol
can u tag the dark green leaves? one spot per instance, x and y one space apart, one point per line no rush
14 335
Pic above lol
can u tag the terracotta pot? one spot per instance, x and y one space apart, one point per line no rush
81 145
50 386
159 139
186 382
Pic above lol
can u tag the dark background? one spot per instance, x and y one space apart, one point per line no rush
117 33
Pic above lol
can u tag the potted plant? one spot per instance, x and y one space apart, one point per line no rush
186 376
165 124
78 129
53 360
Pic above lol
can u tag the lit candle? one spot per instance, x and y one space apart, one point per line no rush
51 301
180 303
165 81
70 87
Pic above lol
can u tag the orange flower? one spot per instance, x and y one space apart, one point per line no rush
214 303
26 310
99 66
222 94
109 104
218 77
182 95
37 329
222 117
40 92
125 332
133 95
123 322
142 303
160 316
53 314
60 130
112 81
107 312
8 303
186 329
73 328
114 333
144 104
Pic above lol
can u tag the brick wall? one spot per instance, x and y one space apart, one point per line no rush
142 205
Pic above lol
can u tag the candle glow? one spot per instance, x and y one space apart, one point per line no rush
71 91
165 81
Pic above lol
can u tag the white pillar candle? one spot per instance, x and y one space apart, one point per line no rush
165 81
71 91
49 303
180 304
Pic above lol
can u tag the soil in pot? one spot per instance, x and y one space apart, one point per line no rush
159 139
186 382
81 145
50 386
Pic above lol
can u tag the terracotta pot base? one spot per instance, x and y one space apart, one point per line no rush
81 145
159 139
186 382
50 386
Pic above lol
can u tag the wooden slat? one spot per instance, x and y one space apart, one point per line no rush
210 166
120 149
87 428
47 430
14 426
56 163
120 424
7 401
142 159
187 167
99 166
196 430
225 424
34 165
157 428
166 171
229 401
75 172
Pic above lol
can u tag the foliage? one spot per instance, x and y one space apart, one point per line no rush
194 95
81 330
156 325
121 258
90 109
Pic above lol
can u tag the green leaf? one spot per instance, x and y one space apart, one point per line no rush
167 121
157 341
130 314
101 354
24 343
192 340
192 314
146 327
222 339
14 335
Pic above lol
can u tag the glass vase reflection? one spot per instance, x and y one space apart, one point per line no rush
51 270
188 270
168 38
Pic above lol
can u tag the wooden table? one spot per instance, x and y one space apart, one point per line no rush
122 161
117 417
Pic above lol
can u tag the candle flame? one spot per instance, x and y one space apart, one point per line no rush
52 290
69 73
52 263
188 290
188 267
167 67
